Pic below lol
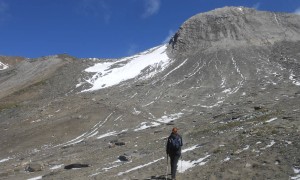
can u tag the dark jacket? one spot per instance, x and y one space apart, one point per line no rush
168 149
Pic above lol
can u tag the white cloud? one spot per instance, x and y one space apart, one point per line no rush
3 7
256 6
96 8
151 8
297 11
170 35
132 49
4 11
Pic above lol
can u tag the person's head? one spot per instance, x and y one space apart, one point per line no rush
174 130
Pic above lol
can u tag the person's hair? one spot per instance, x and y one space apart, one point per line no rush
174 130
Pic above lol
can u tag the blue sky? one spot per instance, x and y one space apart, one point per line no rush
103 28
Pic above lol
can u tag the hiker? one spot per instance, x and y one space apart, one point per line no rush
174 150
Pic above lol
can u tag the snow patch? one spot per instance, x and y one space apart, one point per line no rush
240 9
296 170
92 135
148 104
246 148
169 118
296 177
276 19
227 90
4 160
88 134
226 159
94 59
269 145
241 150
185 165
136 111
36 178
294 81
3 66
108 74
113 133
141 166
190 148
112 165
211 106
57 167
146 125
133 95
165 76
74 141
273 119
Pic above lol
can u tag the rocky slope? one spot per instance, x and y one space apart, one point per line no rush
229 80
232 28
9 61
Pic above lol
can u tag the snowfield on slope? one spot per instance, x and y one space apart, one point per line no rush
3 66
107 74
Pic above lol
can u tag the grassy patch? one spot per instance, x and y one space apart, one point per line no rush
217 150
8 106
30 87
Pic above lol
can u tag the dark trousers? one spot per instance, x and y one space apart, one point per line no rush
174 160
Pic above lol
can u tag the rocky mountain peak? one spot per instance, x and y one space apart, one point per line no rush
233 27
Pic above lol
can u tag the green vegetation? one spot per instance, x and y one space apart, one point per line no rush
30 87
8 106
217 150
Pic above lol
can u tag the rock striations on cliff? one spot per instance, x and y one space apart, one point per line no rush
234 27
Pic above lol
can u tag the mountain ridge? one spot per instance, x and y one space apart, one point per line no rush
232 27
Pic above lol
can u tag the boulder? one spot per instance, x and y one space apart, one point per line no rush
256 108
76 165
33 167
119 143
124 158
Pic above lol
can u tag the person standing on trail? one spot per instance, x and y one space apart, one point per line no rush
174 150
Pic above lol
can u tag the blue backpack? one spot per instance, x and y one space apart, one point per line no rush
174 144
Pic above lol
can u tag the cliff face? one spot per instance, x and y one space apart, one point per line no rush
233 27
